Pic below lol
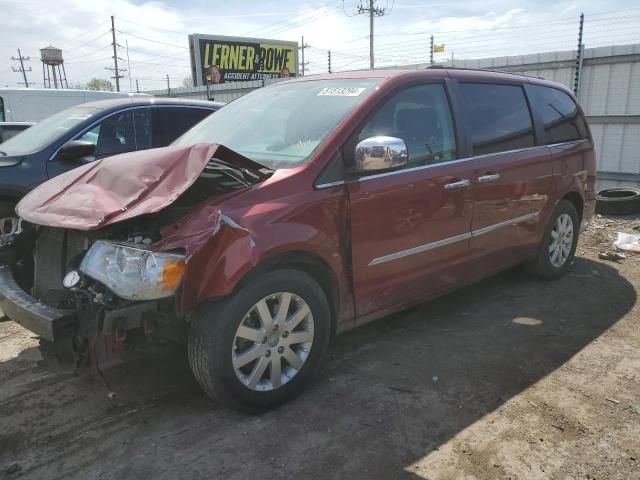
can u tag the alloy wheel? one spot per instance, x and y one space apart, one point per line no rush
273 341
561 240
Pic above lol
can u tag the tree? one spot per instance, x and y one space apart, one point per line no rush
187 82
100 84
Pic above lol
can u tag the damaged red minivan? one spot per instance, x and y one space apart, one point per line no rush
299 211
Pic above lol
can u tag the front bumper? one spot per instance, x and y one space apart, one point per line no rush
46 322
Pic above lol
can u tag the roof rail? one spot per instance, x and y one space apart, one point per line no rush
448 67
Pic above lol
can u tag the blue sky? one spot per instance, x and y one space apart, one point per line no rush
156 31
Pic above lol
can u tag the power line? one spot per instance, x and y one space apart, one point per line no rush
88 31
153 41
287 23
85 44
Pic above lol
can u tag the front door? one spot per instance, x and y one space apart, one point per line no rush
410 227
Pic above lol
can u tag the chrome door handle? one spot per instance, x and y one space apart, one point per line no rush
458 184
490 177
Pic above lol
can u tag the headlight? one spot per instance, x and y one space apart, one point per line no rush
133 273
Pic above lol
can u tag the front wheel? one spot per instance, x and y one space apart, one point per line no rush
559 243
261 346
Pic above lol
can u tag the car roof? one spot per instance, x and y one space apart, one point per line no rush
115 103
464 74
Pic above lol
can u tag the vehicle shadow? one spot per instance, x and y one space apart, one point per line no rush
391 392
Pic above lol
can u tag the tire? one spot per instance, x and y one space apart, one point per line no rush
618 201
214 340
545 265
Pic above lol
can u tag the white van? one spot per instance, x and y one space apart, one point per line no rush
35 104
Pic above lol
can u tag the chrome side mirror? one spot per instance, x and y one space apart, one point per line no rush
380 153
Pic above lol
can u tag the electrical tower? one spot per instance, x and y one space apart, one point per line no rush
21 69
372 11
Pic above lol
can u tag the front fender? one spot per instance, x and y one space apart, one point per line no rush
221 250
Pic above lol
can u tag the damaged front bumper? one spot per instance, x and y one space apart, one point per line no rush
46 322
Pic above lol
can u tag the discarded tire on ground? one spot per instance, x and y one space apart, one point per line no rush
618 201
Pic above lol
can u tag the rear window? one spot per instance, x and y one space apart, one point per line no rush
498 116
559 113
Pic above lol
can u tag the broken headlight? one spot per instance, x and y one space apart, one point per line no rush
134 273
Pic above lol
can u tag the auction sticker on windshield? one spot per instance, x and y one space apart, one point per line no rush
341 91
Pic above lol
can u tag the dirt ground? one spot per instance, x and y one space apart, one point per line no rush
511 378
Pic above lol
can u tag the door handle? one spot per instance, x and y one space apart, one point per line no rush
489 177
457 184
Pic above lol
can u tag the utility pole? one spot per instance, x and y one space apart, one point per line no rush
115 55
431 51
579 58
329 58
373 11
21 69
168 86
302 47
128 66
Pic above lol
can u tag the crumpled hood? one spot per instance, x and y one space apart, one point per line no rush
121 187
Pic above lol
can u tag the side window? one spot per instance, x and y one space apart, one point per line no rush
172 122
421 117
2 116
142 127
91 135
560 116
113 135
498 117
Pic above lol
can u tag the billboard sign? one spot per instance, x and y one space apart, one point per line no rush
219 59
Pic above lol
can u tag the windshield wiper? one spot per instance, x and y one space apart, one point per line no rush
229 171
242 175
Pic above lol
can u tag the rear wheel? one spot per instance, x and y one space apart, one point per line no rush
261 346
559 243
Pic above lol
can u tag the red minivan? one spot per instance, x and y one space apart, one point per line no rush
299 211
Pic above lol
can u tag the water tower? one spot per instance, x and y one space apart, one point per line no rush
52 62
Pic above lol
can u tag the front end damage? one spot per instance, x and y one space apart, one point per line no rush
100 258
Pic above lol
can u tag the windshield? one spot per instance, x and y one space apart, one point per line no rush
281 126
43 133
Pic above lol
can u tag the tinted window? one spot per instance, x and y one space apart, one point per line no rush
2 117
559 113
9 131
498 116
421 117
122 132
171 122
142 127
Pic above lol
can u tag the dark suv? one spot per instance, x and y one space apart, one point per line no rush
88 132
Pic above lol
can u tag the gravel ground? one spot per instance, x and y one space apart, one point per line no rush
509 378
